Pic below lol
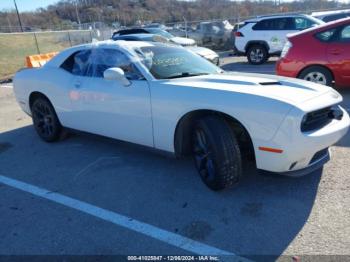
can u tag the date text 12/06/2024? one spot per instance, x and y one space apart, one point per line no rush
173 258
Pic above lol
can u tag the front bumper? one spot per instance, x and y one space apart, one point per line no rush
317 165
299 148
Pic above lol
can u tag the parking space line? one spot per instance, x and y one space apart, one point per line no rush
121 220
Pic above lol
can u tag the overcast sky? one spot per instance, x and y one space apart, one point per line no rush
30 5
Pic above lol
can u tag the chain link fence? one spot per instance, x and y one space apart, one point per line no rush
14 47
215 34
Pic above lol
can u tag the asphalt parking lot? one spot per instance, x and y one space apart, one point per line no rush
90 195
234 63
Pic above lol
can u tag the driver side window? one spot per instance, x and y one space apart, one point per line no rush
103 58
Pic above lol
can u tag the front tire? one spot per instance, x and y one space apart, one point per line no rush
45 120
317 74
257 54
216 153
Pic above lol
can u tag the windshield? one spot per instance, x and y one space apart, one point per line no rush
161 32
165 62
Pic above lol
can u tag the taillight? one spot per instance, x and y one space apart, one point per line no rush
238 34
288 45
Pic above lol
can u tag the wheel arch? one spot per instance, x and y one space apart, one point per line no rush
34 95
318 65
58 133
256 42
182 136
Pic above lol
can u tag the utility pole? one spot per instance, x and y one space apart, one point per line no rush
77 13
19 18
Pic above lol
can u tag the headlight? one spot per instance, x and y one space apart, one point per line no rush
336 113
286 48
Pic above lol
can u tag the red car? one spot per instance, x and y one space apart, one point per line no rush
320 54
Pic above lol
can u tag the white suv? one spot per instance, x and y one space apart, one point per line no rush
265 36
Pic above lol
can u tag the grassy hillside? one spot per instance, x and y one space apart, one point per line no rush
15 47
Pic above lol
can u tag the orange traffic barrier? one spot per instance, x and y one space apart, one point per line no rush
39 60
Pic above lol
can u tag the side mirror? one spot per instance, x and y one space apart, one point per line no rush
116 73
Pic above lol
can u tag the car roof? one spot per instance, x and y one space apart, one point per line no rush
136 37
143 37
117 44
57 60
120 44
263 17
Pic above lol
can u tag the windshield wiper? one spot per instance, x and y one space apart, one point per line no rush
186 74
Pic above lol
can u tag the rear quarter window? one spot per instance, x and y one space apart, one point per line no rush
77 63
326 36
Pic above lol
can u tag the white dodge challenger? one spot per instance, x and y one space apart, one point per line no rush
171 99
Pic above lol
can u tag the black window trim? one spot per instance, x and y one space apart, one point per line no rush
335 38
275 18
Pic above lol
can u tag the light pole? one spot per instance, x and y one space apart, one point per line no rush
19 18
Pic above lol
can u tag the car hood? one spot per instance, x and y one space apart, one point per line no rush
183 41
288 90
202 51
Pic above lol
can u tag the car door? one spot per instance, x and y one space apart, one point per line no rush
281 27
263 31
69 78
338 54
109 108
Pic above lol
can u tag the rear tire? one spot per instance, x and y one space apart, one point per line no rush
45 120
257 54
216 153
317 74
